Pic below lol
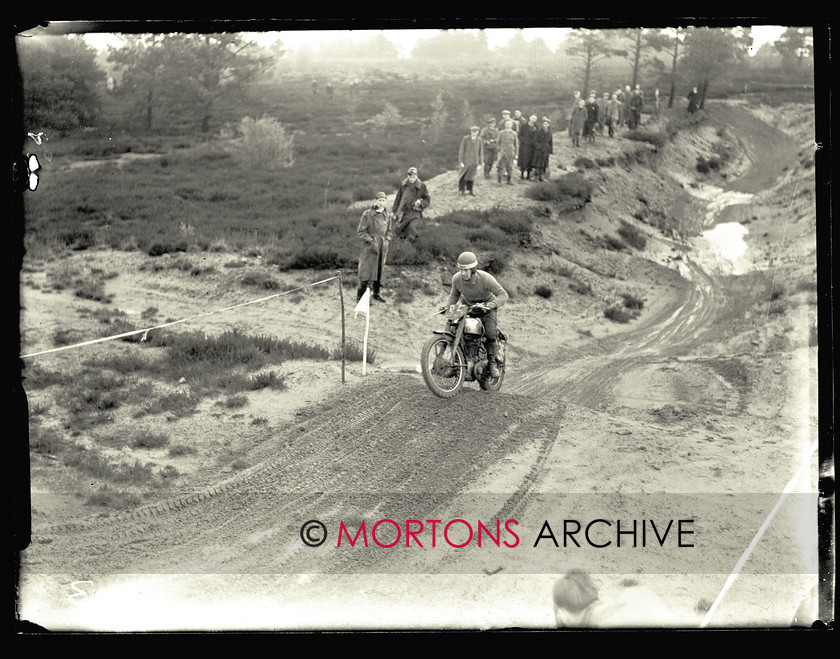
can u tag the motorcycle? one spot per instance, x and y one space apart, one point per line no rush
458 353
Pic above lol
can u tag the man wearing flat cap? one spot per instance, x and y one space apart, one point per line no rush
411 200
470 158
375 231
490 136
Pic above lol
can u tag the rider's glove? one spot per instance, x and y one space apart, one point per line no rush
490 305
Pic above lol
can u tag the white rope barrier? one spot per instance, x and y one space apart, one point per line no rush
145 331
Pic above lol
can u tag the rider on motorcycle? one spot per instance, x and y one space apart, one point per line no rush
475 286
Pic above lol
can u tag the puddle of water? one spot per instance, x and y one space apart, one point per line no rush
723 249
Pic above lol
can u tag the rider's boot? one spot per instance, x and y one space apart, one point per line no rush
492 366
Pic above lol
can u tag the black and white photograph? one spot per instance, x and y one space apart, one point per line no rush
474 325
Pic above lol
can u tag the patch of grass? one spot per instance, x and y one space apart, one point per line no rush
657 138
146 439
262 281
44 440
580 287
582 162
353 352
177 450
178 405
269 380
106 497
235 402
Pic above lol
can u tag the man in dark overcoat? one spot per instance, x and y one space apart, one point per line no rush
375 231
411 200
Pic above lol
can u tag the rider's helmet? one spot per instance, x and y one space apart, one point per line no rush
467 264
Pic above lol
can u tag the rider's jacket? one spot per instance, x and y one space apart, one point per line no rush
481 287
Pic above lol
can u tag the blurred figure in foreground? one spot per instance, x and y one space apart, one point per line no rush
577 603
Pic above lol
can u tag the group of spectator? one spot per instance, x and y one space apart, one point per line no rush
512 142
592 116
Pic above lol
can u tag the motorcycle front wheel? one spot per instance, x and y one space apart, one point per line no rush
442 378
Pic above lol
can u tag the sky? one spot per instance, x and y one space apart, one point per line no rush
406 39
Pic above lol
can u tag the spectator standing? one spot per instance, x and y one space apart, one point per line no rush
622 107
591 118
526 147
470 158
375 230
543 148
602 113
577 121
506 117
490 139
657 105
575 100
637 102
411 200
518 121
508 150
612 114
692 100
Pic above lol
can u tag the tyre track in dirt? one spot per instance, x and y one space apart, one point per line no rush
382 447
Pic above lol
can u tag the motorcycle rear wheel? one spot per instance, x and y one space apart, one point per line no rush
442 379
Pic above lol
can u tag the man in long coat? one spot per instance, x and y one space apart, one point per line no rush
526 147
470 158
543 148
411 200
375 231
508 150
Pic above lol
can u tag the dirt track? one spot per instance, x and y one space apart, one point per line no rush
705 395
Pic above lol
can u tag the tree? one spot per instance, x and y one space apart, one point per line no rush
645 44
796 45
188 74
712 54
589 46
142 64
60 79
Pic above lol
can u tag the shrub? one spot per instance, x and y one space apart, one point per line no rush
613 243
633 236
265 144
617 314
543 291
632 302
159 249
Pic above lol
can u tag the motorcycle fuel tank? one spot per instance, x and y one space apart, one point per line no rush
473 326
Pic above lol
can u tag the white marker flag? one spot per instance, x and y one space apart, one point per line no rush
364 307
364 304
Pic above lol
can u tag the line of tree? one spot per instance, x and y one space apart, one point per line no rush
162 76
